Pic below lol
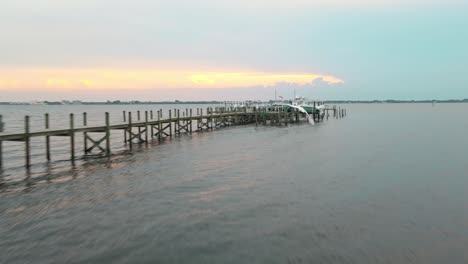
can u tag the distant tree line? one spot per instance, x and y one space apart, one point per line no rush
118 102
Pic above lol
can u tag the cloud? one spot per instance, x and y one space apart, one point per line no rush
121 79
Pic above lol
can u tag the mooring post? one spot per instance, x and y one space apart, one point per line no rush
177 125
85 134
26 142
130 129
211 117
46 119
190 126
200 120
146 127
152 124
108 147
170 123
72 137
138 120
125 131
159 126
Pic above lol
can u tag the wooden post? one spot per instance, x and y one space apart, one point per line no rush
190 121
159 126
27 142
108 147
178 122
72 137
152 127
212 121
146 126
138 120
125 131
47 137
85 139
130 129
170 123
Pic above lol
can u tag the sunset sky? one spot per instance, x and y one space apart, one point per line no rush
223 50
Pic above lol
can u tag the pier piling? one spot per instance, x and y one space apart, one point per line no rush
47 138
85 134
108 147
72 137
27 142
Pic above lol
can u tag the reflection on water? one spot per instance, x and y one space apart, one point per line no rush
371 188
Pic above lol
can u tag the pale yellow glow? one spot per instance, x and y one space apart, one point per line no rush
99 79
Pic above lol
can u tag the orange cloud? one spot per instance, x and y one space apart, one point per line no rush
99 79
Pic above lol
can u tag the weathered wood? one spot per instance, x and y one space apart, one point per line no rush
170 123
108 146
125 131
191 120
159 126
85 134
47 138
72 137
27 148
146 126
152 128
129 129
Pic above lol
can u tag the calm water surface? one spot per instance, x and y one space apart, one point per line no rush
387 184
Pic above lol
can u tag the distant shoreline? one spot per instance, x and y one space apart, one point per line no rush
222 102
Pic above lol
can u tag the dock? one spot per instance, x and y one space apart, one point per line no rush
153 125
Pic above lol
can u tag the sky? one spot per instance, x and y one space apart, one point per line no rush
233 50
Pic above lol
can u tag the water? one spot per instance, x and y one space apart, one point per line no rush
386 184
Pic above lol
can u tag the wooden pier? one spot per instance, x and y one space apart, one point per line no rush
153 126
